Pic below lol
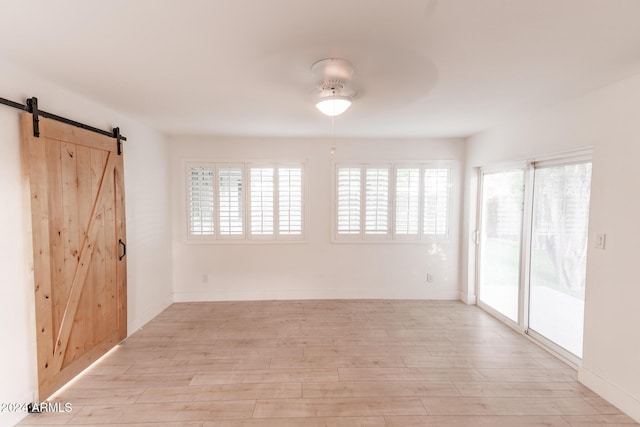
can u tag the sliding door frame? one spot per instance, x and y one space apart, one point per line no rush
506 167
524 285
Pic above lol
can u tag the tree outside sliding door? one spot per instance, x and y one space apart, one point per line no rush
559 253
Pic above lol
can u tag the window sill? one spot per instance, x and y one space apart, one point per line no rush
190 241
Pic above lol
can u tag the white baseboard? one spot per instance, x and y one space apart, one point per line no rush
200 296
469 299
611 393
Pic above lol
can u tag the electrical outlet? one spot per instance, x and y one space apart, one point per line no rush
429 278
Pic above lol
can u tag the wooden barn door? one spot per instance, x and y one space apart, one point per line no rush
78 226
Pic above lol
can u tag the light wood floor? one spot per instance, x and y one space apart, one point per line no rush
330 363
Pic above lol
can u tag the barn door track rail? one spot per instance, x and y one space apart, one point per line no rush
31 106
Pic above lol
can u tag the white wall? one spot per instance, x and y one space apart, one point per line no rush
148 224
316 268
609 121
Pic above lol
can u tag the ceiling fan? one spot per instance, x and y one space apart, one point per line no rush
334 91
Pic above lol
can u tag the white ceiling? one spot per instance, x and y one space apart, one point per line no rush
242 67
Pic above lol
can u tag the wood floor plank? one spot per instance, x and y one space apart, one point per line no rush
87 397
198 366
167 412
379 389
599 420
475 421
409 374
603 406
516 362
125 381
337 407
232 353
51 418
507 406
164 424
274 342
267 376
122 355
391 341
108 369
529 375
335 332
366 350
222 392
480 350
298 422
523 389
316 362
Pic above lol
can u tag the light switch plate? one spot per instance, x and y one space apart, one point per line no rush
601 240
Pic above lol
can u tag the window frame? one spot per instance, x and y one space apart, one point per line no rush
246 236
392 236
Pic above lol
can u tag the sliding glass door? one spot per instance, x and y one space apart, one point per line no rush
559 253
533 248
501 241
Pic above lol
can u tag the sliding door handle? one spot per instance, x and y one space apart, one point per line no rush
123 245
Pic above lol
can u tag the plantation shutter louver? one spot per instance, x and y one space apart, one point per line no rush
262 200
349 188
436 201
377 200
290 201
407 201
230 198
201 200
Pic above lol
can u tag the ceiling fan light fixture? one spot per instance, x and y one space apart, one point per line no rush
334 89
333 105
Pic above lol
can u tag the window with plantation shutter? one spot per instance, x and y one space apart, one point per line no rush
201 200
407 201
376 201
244 201
290 200
348 193
261 194
392 202
230 201
436 201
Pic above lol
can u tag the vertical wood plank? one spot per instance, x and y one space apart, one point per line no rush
81 338
108 319
56 227
122 264
88 296
35 169
98 161
70 231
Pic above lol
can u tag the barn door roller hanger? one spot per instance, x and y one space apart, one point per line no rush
32 107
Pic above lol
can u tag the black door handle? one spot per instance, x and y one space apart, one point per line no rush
124 249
